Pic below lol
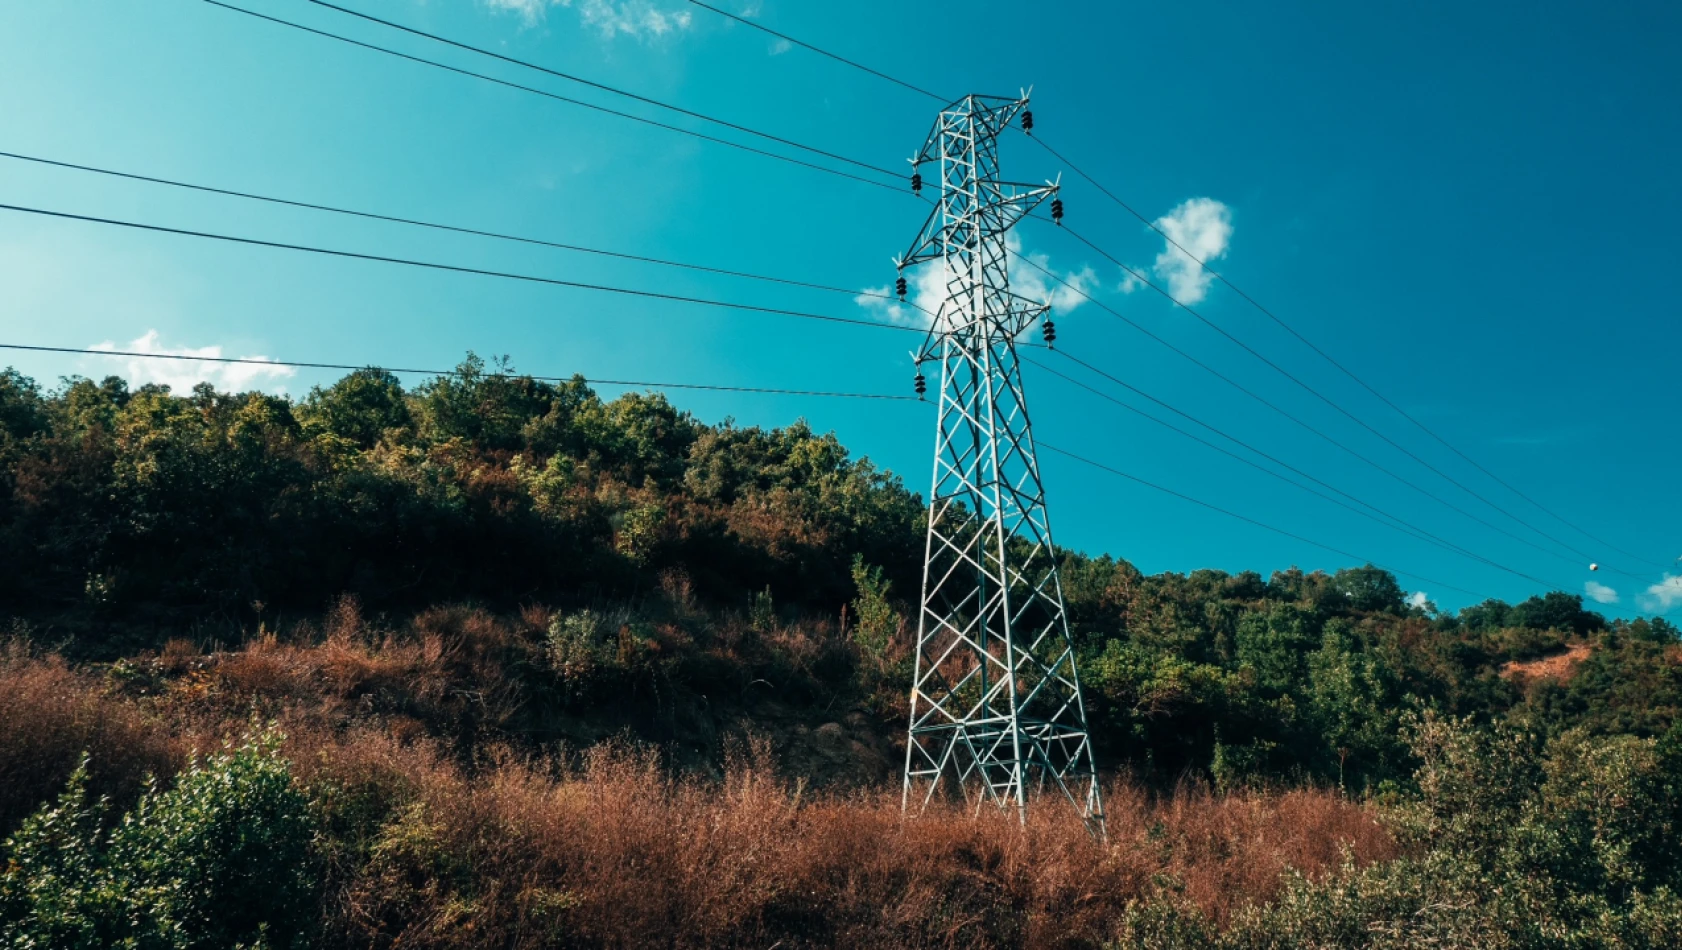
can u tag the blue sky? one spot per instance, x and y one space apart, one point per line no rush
1473 206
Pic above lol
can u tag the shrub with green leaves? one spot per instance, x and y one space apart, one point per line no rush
876 619
222 859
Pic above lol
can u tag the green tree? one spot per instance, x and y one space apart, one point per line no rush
1365 588
360 407
23 413
1556 610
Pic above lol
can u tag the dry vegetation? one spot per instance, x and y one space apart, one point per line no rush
1555 668
440 836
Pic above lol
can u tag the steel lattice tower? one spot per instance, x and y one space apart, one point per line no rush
996 706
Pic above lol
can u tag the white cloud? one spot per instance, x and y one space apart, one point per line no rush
1600 593
1203 226
1130 281
530 11
1419 599
1028 278
779 47
639 19
928 287
1663 596
181 375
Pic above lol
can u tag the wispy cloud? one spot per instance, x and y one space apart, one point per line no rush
1421 600
1663 596
638 19
531 11
1600 593
928 287
1028 278
1202 226
181 375
779 47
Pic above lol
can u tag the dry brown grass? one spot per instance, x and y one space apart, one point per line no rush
446 669
619 853
50 715
428 847
1558 668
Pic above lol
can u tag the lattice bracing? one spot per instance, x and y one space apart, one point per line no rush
996 706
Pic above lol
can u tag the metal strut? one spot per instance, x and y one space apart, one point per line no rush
996 701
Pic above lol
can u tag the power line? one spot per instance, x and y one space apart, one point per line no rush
1374 513
349 367
560 98
1233 514
1286 413
252 361
1253 302
1341 368
602 86
1136 275
454 268
821 52
446 227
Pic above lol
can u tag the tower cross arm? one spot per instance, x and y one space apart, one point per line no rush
929 245
951 226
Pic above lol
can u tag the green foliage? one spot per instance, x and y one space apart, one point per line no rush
57 891
577 647
875 619
1556 611
1366 588
1508 843
638 531
483 485
360 408
23 413
222 859
762 613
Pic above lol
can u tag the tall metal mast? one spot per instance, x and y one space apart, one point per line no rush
996 705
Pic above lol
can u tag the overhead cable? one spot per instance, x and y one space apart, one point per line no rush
1248 520
569 77
821 52
1166 294
560 98
446 227
458 269
1217 275
1365 509
253 361
697 386
1288 415
1204 265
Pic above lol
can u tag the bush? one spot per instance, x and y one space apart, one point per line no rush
1512 847
223 859
877 622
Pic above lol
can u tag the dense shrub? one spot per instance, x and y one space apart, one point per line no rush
221 859
1506 844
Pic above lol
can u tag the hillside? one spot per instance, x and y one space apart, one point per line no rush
511 665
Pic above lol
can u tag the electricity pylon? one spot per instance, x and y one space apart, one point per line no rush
996 706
